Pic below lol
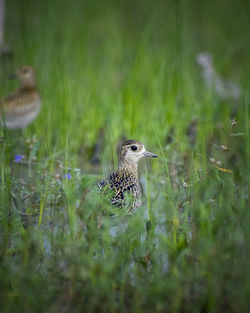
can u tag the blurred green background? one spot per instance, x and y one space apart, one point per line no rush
108 70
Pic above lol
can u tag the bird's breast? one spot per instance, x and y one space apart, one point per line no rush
21 111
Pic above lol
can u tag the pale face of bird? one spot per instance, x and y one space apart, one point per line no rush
205 59
133 151
26 76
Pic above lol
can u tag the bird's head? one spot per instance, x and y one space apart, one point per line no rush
131 151
26 75
204 59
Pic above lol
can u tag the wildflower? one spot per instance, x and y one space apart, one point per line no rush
67 176
77 171
212 160
34 140
58 164
218 163
211 201
18 158
234 122
185 185
224 148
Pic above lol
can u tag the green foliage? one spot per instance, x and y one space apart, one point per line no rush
127 69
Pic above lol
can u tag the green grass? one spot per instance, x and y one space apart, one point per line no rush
128 68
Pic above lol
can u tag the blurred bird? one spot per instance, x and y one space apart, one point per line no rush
223 88
124 181
21 107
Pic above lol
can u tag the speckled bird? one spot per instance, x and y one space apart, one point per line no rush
124 181
21 107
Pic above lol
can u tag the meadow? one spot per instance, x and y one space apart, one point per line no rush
109 70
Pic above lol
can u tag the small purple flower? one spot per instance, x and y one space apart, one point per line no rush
18 158
67 176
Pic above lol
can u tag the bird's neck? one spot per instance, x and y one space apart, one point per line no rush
27 88
28 85
130 166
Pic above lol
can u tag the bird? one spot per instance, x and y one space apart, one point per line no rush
20 108
124 182
225 89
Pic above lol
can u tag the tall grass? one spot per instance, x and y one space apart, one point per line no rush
129 69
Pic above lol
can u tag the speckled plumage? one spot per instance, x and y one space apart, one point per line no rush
21 107
121 182
124 181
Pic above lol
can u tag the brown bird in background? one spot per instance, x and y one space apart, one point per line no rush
21 107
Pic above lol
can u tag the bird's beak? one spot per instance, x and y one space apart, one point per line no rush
13 76
149 154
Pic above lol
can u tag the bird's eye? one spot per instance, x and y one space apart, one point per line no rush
134 148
